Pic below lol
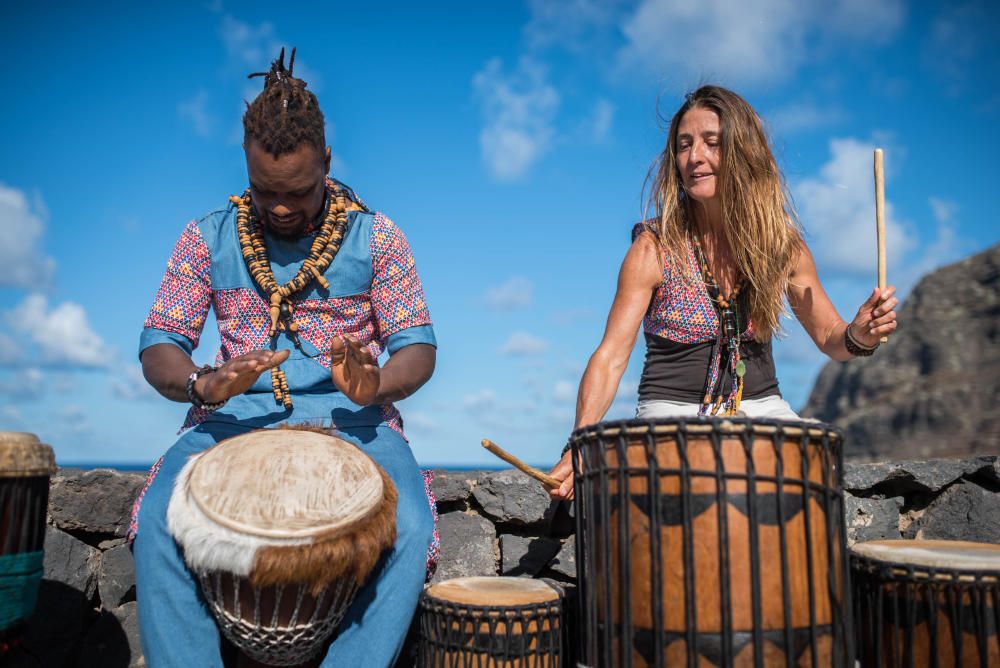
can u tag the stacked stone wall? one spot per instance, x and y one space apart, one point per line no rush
491 523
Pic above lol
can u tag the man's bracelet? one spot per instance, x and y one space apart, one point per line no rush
192 395
854 347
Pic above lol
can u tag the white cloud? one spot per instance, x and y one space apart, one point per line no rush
130 384
516 292
628 392
12 417
837 210
22 225
74 419
25 384
946 246
943 210
573 24
253 47
519 111
249 45
800 116
522 343
483 400
597 126
10 352
63 334
196 112
956 43
564 391
572 316
745 43
420 421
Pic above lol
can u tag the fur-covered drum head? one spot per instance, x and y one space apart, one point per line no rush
282 526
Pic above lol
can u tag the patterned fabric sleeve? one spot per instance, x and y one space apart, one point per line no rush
397 294
185 295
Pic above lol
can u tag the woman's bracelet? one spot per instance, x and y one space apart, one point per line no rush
854 347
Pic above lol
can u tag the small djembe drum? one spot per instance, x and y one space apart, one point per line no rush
282 527
25 467
927 603
491 622
711 542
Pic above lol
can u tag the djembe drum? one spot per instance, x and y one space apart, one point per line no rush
711 542
25 467
491 622
282 527
927 603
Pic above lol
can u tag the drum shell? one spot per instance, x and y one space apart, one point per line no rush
276 625
457 635
723 536
25 468
918 616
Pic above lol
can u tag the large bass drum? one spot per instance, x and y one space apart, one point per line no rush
711 542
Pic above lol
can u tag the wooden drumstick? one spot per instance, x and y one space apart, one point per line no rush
546 480
880 221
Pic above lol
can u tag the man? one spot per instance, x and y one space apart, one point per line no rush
308 287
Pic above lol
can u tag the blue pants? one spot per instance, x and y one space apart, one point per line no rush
177 628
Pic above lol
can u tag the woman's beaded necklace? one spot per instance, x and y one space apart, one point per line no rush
324 249
729 335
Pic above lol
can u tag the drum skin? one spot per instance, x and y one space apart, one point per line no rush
927 603
491 622
25 468
711 543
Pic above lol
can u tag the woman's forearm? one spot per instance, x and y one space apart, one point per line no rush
597 388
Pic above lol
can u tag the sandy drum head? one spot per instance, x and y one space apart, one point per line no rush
491 622
22 455
286 483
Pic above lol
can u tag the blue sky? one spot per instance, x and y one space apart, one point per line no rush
510 142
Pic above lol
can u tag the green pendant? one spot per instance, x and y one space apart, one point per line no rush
741 369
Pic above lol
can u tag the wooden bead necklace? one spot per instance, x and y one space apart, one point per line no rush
324 248
729 334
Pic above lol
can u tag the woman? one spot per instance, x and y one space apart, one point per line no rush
708 278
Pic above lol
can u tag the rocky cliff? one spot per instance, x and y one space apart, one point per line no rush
934 389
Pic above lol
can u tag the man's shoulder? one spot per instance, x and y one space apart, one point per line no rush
210 225
217 217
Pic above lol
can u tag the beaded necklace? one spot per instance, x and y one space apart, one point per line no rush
729 336
324 249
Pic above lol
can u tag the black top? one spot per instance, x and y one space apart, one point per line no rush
679 371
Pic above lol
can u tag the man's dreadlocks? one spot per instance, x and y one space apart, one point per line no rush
285 115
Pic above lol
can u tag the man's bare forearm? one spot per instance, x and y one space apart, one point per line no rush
405 372
167 368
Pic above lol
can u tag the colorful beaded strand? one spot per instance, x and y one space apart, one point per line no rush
724 304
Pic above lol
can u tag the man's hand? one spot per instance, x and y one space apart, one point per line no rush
354 370
237 375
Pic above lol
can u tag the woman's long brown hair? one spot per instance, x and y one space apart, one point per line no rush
758 219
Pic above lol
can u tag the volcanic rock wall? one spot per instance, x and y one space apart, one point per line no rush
491 523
